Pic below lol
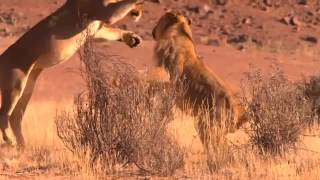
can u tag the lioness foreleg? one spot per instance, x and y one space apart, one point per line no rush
115 34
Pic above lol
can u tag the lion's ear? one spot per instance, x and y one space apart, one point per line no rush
187 30
189 21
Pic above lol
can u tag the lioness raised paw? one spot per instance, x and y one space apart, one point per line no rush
131 39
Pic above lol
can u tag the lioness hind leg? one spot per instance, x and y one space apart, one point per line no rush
5 118
17 114
10 94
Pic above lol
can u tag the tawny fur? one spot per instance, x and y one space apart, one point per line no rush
175 51
52 41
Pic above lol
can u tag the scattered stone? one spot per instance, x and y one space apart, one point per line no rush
9 18
204 40
156 1
310 13
193 8
311 39
286 20
209 41
247 20
258 42
205 12
265 8
291 20
267 3
296 29
207 8
222 2
295 21
302 2
238 39
241 48
214 42
4 32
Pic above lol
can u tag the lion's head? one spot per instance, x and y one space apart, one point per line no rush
170 23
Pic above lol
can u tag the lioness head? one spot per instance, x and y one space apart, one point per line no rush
100 9
172 21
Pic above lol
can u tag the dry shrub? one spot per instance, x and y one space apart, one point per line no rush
120 119
278 111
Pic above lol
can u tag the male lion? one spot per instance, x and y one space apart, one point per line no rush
175 51
54 40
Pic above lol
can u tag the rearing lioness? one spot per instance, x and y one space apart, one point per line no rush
52 41
175 51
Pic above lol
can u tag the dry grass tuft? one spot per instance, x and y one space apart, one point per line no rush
278 111
218 150
121 120
212 132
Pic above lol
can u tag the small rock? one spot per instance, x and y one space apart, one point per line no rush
295 21
241 48
265 8
214 42
258 42
209 41
207 9
286 20
156 1
204 40
247 21
302 2
311 39
222 2
267 3
238 39
4 32
193 8
310 13
296 29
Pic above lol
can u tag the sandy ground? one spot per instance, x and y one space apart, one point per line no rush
278 43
